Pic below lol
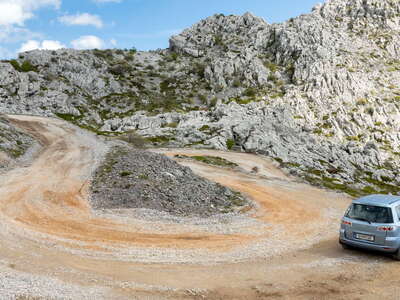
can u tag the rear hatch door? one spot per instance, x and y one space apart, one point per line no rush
367 221
365 232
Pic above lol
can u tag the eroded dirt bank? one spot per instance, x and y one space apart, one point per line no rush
54 246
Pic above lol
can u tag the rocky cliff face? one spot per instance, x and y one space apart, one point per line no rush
320 92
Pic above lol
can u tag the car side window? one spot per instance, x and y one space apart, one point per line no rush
398 211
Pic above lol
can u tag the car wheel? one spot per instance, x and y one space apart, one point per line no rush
345 246
396 256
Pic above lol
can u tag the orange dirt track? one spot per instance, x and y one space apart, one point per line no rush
284 248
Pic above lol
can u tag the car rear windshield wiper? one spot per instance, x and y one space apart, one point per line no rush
362 219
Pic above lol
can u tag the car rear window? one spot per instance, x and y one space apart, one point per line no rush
370 213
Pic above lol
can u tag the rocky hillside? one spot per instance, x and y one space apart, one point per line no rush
319 93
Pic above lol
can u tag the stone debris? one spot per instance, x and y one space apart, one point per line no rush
130 178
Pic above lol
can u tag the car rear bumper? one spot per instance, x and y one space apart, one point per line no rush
368 246
392 244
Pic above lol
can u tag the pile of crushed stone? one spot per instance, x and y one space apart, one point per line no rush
130 178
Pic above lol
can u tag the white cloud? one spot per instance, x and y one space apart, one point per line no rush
44 45
113 42
52 45
16 34
13 16
16 12
88 42
35 4
11 13
82 19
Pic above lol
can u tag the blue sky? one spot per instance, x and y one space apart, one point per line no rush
144 24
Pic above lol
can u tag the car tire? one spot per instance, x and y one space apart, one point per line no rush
396 256
345 246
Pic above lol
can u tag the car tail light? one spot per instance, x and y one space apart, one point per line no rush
385 228
344 222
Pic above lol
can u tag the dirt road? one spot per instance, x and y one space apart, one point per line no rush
54 246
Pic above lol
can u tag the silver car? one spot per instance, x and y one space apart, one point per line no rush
373 222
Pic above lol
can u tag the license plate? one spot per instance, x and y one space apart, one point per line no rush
365 237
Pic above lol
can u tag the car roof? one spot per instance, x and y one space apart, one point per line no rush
378 199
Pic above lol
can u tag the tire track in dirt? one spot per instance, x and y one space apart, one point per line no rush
287 245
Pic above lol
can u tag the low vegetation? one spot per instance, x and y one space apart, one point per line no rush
210 160
25 66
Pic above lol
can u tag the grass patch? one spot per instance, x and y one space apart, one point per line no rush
372 186
211 160
250 92
332 184
159 140
68 117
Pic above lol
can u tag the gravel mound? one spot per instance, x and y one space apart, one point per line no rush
130 178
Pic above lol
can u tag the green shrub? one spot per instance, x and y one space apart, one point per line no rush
243 101
199 69
272 77
250 92
370 111
229 144
236 83
120 69
317 131
130 56
173 56
67 117
170 104
26 66
167 84
213 101
125 173
277 95
271 66
143 176
218 41
104 54
362 101
203 98
204 128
